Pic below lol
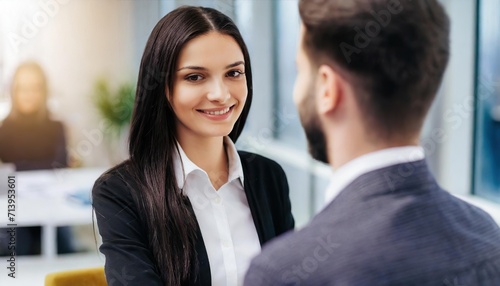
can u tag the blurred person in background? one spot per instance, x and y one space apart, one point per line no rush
31 140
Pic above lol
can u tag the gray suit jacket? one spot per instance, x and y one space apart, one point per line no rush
392 226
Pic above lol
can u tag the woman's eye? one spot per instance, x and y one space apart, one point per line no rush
235 73
194 77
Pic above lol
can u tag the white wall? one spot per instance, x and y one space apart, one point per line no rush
456 114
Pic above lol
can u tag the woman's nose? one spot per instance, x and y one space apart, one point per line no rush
218 91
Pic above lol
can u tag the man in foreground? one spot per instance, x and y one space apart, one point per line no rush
368 71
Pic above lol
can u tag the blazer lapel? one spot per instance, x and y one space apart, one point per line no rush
257 201
204 277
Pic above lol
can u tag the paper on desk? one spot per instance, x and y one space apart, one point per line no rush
42 185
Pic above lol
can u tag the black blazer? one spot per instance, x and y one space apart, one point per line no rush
390 227
125 244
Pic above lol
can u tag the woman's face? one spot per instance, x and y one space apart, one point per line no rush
29 90
210 87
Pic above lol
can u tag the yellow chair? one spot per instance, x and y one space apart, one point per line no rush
81 277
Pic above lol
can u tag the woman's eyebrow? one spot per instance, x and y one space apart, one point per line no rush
202 68
192 68
235 64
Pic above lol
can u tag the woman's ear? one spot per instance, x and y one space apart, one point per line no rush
329 89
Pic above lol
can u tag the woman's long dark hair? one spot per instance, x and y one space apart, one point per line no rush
170 222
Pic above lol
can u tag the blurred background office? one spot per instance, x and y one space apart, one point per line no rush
91 50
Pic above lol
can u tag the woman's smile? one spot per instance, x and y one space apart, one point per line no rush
220 113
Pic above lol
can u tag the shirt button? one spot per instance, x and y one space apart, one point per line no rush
217 200
225 244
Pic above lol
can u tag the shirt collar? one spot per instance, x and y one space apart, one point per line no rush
347 173
184 166
235 167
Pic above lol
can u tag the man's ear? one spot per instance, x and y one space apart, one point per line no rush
328 87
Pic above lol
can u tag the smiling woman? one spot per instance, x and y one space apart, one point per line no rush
188 208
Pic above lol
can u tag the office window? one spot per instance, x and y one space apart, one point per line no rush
486 182
273 129
286 27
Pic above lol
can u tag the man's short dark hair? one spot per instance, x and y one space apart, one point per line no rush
394 53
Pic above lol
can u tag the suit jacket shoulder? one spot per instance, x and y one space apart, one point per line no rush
386 229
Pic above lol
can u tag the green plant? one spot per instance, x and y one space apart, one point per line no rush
115 107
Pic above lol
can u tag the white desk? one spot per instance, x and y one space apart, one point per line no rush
43 199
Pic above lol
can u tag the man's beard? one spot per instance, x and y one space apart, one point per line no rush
313 128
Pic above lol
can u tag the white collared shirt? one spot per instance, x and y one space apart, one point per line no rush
347 173
223 215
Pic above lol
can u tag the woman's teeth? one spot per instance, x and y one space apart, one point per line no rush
218 112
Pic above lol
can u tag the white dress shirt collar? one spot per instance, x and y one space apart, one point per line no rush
347 173
185 166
